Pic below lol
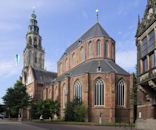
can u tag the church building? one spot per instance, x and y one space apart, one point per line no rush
86 70
34 76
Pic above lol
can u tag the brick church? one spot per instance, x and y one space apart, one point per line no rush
87 70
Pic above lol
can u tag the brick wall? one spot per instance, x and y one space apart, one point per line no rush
110 112
66 63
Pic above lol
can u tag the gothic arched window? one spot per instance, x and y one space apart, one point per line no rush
99 92
106 49
90 47
82 53
30 40
120 93
78 90
35 42
98 48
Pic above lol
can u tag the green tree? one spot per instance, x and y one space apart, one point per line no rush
54 108
80 112
133 97
2 108
75 111
16 98
45 108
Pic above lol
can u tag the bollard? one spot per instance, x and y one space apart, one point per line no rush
100 119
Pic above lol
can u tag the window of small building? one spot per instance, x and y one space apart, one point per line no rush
99 93
144 47
151 41
145 65
152 60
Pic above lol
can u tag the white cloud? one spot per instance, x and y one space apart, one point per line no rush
8 68
9 26
127 59
50 65
119 33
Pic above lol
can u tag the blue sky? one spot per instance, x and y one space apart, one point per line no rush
62 22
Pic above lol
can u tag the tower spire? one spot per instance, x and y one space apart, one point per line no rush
34 53
33 27
33 13
97 15
139 20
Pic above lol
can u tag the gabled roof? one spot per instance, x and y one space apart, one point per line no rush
107 66
42 76
95 31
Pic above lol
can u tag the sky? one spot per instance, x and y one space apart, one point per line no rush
62 22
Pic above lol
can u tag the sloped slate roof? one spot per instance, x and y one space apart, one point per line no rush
95 31
43 76
91 66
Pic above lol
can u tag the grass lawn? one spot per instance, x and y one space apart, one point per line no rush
84 123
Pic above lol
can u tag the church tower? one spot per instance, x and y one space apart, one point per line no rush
33 53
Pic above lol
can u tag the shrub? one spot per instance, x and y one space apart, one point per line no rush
75 111
45 108
80 112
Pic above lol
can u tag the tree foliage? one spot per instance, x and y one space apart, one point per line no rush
134 96
75 111
45 108
2 108
16 98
